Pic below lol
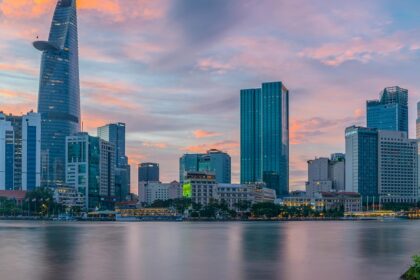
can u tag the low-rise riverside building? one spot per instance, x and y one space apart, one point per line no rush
69 197
202 188
350 202
232 194
152 191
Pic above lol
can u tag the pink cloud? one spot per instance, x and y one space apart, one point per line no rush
118 9
210 64
205 134
228 146
357 49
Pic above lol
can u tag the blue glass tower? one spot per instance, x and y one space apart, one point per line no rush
59 90
390 112
265 136
251 145
115 134
362 161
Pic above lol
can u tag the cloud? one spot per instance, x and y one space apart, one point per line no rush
25 8
209 64
357 49
228 146
155 145
119 10
205 134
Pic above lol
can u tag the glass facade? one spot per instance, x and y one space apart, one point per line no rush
265 136
59 92
390 112
362 162
115 134
148 172
251 136
32 158
214 161
16 122
9 162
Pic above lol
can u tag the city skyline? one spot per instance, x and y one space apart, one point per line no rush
131 85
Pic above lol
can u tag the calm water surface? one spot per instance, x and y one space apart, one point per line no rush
143 251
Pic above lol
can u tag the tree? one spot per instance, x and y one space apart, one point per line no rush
413 272
40 202
243 205
265 209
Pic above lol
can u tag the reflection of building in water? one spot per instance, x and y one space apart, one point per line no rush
261 251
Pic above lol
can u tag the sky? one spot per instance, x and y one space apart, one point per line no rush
172 69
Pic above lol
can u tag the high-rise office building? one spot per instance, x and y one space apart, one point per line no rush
265 136
397 168
214 161
381 165
90 169
115 133
418 142
362 162
390 112
251 136
418 122
6 154
148 172
26 164
59 90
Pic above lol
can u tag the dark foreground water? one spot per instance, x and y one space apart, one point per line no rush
216 251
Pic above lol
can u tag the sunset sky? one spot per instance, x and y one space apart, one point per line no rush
172 69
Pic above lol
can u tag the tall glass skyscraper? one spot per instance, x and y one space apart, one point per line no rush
362 162
390 112
59 90
115 134
265 136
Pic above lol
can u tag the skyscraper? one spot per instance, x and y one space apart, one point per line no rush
251 136
418 122
90 169
397 168
214 161
59 90
148 172
25 167
390 112
362 162
115 133
265 136
6 154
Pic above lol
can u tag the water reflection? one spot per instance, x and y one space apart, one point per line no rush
261 246
207 251
60 250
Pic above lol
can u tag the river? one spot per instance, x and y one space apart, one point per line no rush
214 251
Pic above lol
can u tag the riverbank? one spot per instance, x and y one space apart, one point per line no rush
170 219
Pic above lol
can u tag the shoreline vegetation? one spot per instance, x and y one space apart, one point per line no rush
413 273
39 205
